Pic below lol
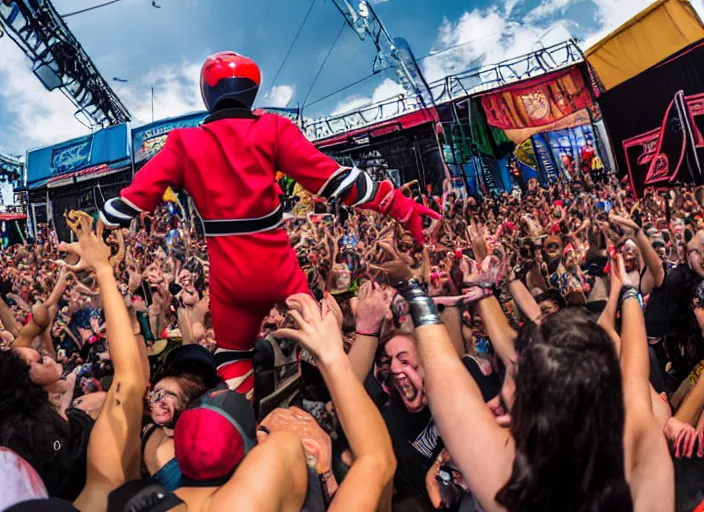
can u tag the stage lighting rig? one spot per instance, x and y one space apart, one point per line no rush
59 61
10 169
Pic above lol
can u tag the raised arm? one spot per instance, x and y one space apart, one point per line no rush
148 185
59 289
367 485
370 308
655 275
525 301
113 449
39 322
320 174
500 332
649 469
691 409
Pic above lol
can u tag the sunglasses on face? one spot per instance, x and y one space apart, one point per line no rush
160 394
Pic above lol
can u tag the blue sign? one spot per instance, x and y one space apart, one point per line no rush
147 140
107 146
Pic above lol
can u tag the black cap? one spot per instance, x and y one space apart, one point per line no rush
193 359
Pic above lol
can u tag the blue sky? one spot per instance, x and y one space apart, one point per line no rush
165 47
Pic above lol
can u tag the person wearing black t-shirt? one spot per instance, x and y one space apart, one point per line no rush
399 391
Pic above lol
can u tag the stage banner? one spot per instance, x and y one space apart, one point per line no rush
656 121
147 140
538 103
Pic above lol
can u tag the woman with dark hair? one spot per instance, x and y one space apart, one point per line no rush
567 419
54 444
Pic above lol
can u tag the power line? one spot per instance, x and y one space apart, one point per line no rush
379 71
89 8
290 48
342 89
342 27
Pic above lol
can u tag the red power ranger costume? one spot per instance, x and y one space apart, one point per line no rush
228 166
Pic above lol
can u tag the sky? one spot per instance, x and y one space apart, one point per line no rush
164 48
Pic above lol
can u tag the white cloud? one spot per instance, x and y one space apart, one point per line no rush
612 13
37 117
493 36
278 96
548 8
386 90
176 92
486 36
510 5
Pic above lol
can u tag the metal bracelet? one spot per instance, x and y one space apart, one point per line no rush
422 309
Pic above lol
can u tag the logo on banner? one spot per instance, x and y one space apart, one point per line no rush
659 153
537 105
151 147
66 159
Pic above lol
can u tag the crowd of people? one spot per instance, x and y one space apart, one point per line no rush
541 351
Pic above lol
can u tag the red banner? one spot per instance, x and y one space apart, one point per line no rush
12 216
540 102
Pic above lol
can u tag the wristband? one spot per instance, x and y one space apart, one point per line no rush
370 334
628 292
421 307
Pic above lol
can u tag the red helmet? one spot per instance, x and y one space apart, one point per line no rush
229 76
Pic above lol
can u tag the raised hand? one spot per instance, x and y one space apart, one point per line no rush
626 223
477 239
683 437
371 307
91 249
407 212
318 330
618 276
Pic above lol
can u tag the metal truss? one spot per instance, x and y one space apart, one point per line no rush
486 78
10 168
59 61
391 53
451 88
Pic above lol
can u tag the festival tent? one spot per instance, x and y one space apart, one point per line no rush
661 30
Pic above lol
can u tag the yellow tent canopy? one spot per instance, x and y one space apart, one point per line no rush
659 31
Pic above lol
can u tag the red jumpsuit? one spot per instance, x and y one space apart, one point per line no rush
229 167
